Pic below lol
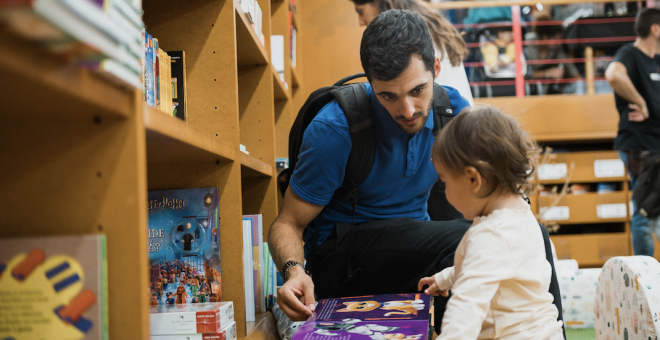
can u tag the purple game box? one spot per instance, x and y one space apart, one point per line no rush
370 317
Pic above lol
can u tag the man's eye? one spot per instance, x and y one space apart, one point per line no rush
417 91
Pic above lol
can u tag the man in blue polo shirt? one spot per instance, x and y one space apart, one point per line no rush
393 242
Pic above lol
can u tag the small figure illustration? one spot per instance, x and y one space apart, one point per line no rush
406 307
181 295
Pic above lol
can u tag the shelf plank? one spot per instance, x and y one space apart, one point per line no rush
279 91
562 118
592 250
263 328
170 140
43 86
252 167
249 50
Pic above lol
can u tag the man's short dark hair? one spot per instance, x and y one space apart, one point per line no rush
390 41
645 20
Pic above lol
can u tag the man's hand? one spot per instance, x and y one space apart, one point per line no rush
639 113
433 287
296 297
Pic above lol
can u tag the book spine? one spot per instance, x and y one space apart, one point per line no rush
157 72
151 77
144 66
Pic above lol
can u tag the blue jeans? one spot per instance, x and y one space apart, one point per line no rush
642 228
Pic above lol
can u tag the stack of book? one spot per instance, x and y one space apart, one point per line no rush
201 321
102 35
163 78
258 269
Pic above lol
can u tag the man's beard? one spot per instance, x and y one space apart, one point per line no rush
419 114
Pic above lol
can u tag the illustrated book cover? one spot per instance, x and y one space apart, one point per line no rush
184 246
370 317
53 288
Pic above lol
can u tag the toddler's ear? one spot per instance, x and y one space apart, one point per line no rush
476 180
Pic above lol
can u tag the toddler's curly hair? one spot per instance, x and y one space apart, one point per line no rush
492 142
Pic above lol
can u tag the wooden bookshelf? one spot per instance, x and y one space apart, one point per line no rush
234 97
82 152
74 151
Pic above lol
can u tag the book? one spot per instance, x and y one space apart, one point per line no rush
76 29
179 84
227 333
184 251
150 71
248 271
277 54
53 288
370 317
114 71
196 318
258 262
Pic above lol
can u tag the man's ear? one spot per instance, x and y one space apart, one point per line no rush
655 30
436 68
475 178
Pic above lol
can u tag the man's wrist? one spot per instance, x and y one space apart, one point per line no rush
293 268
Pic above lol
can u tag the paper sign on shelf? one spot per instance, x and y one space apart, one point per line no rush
609 168
555 213
616 210
552 171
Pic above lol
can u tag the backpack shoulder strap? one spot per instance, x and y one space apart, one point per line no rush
354 100
442 110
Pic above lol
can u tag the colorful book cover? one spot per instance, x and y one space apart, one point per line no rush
53 288
149 67
370 317
157 72
184 246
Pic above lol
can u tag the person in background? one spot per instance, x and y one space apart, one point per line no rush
543 31
449 45
635 78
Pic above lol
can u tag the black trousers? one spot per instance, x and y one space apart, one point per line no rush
389 257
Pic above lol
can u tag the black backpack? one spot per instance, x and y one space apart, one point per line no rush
354 101
647 192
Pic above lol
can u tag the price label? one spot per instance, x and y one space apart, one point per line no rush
609 168
616 210
555 213
552 171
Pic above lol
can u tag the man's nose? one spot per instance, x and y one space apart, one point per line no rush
407 108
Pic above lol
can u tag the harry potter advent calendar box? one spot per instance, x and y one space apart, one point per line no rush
184 246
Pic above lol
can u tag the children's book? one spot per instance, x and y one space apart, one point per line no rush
53 288
179 84
184 246
370 317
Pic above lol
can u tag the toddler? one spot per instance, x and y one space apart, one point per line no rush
500 277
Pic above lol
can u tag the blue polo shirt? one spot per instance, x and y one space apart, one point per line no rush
400 179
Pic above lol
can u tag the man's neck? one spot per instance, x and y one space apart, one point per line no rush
648 46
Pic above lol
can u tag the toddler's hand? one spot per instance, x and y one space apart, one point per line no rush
433 287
